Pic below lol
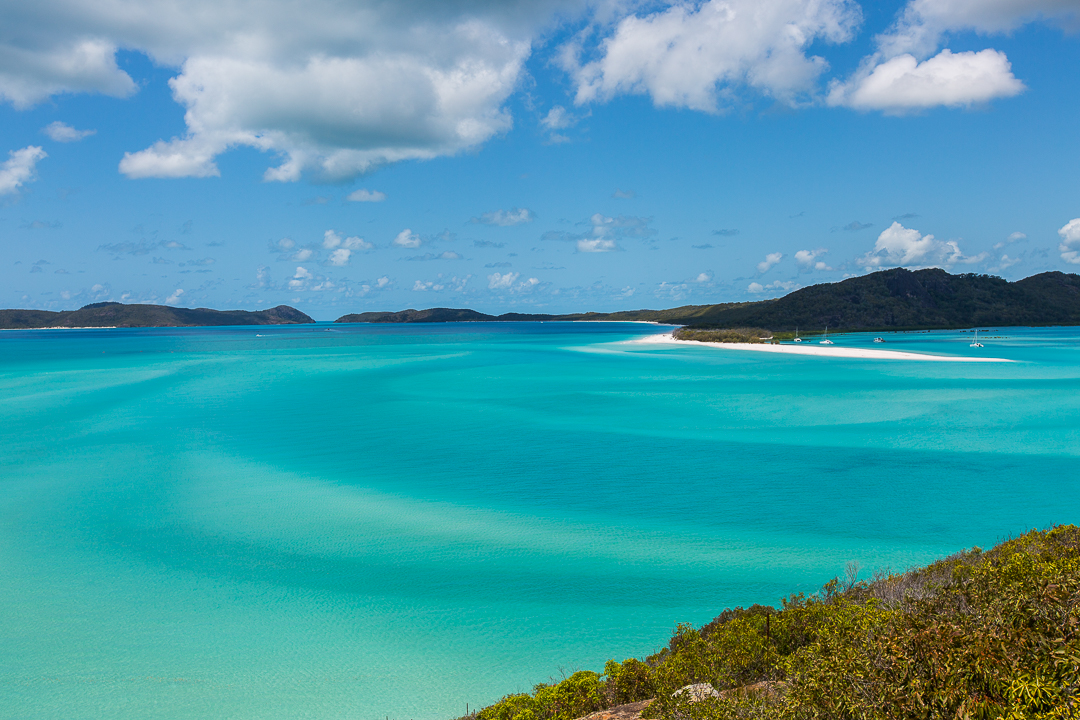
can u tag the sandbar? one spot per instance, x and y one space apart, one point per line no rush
816 350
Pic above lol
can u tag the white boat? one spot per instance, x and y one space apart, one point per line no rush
879 339
975 342
797 338
826 340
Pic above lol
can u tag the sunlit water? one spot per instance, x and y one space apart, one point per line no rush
394 521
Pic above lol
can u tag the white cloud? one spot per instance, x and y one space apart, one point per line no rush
365 195
407 239
703 277
302 255
807 260
19 168
284 244
1070 242
502 281
42 56
697 55
331 240
340 257
62 132
300 278
596 245
1013 237
505 218
770 260
336 87
921 26
558 119
784 285
902 84
898 246
1007 262
899 77
172 299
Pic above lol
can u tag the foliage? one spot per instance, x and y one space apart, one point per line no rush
978 635
728 335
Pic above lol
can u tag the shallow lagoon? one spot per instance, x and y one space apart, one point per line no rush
371 521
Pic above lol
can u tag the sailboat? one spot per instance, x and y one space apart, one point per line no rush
975 342
797 338
826 341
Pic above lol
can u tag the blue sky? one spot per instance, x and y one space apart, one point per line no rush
540 156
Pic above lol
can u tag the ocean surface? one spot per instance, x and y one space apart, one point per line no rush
393 521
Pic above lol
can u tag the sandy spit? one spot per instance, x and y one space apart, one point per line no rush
815 349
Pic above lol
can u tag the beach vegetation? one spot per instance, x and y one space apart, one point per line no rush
725 335
980 634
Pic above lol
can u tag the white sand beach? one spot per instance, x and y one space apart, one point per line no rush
815 349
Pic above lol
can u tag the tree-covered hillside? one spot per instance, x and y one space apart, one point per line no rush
110 314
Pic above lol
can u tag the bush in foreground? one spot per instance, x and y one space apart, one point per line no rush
992 634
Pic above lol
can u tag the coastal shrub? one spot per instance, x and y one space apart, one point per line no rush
728 335
627 682
979 635
577 695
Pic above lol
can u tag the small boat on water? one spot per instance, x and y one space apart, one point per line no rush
826 340
975 342
797 338
877 339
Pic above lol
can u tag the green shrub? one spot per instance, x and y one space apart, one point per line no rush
978 635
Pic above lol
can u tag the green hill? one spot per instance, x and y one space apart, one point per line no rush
902 299
110 314
886 300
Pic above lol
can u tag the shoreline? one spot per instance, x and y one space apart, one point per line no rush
816 350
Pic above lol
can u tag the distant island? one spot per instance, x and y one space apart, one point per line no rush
896 299
114 314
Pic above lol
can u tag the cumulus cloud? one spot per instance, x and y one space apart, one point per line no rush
905 74
62 132
501 281
698 55
605 232
408 239
777 285
19 168
35 65
920 28
704 277
898 246
365 195
808 260
902 83
172 299
331 240
505 218
339 257
770 260
332 87
1070 242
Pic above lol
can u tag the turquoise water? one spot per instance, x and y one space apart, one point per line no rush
394 521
